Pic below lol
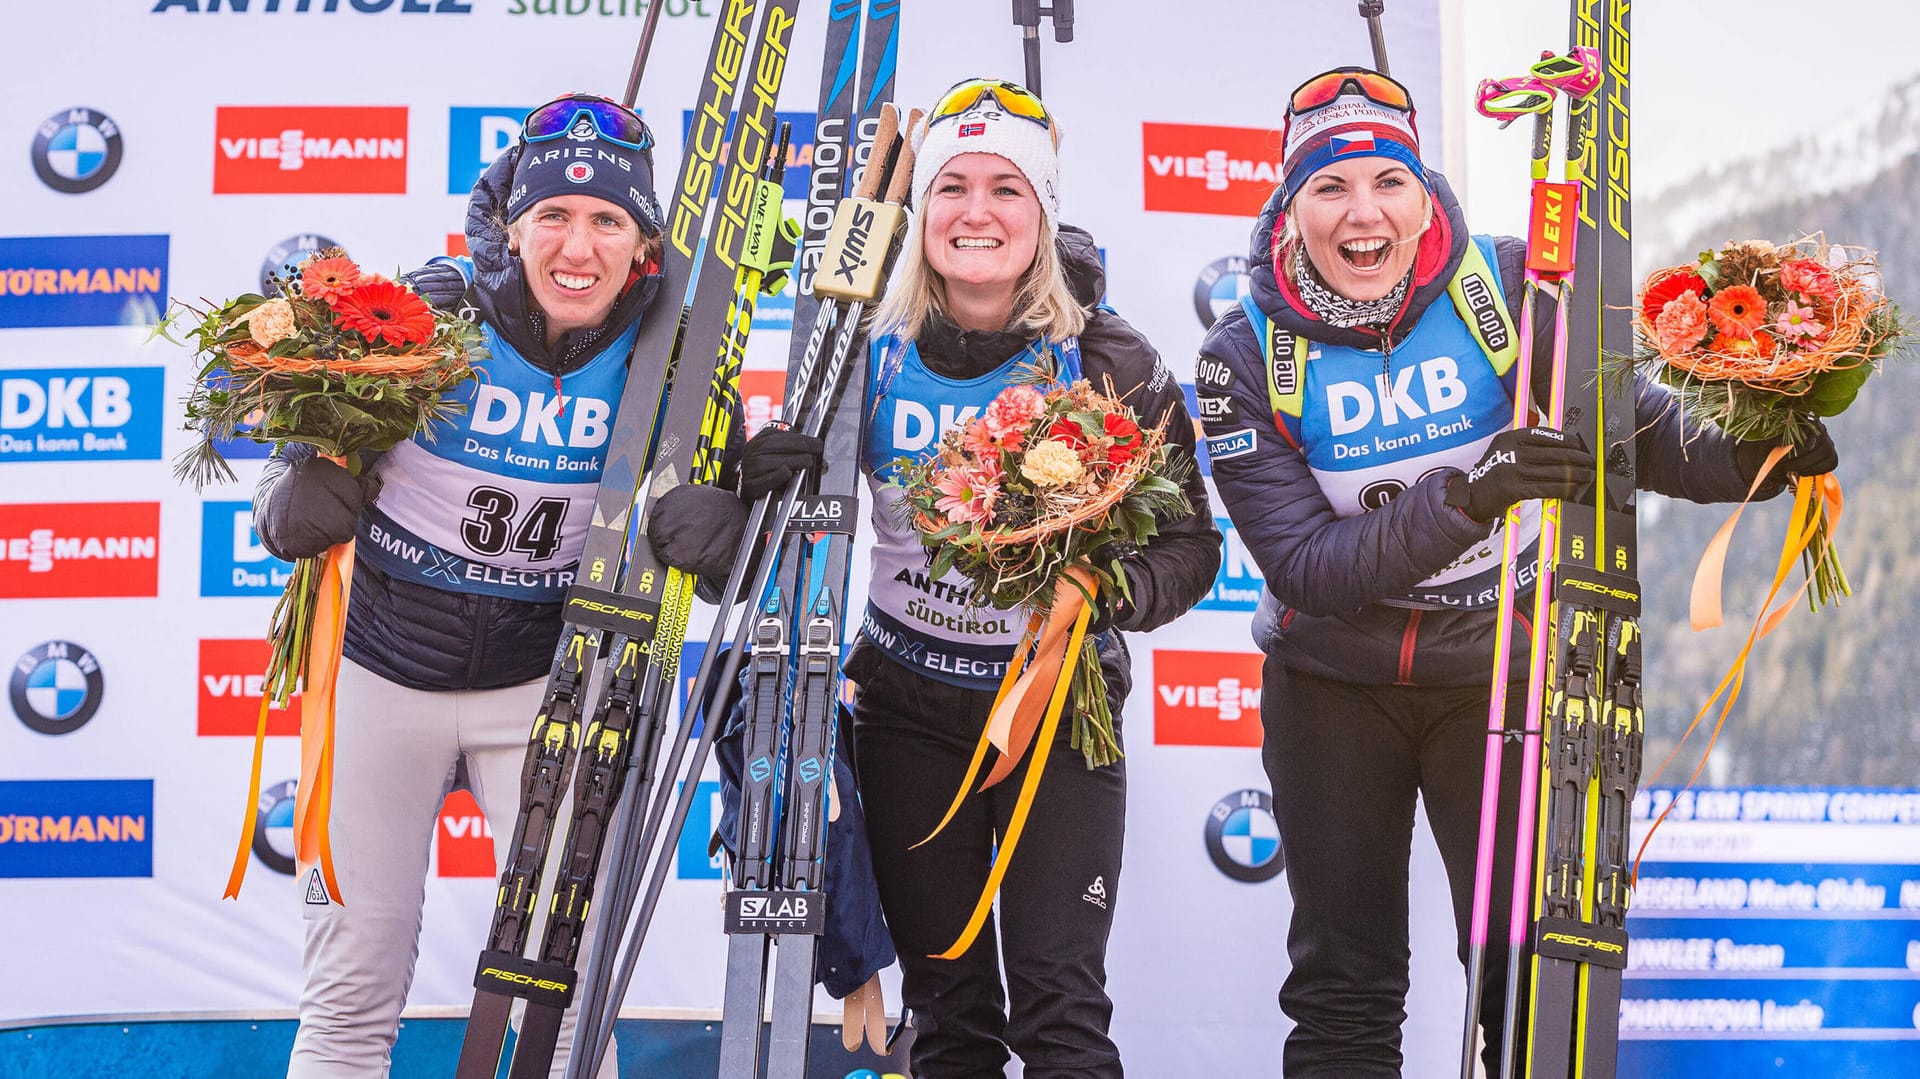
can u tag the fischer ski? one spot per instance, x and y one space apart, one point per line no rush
599 604
1594 729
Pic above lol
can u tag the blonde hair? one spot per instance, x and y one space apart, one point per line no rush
1043 302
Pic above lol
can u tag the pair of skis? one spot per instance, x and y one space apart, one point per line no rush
1583 686
626 614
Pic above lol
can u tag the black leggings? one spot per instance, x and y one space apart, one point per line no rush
1346 762
1055 910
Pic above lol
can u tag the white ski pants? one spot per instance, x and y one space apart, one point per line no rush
394 750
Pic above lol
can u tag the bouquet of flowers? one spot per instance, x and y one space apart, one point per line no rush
1760 340
1047 487
346 361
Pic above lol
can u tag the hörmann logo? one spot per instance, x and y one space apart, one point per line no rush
310 150
82 280
1202 169
76 828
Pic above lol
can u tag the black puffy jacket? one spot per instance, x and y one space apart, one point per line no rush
1326 576
423 637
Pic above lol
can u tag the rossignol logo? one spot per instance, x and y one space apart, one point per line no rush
80 549
76 150
331 7
1206 698
1219 288
273 827
230 688
56 687
1486 314
82 280
80 414
1202 169
1243 839
310 150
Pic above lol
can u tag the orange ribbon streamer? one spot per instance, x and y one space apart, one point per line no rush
313 800
1026 710
1815 499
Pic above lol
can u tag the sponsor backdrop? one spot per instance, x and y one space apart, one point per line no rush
131 608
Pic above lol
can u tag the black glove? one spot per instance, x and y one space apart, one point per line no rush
439 283
696 528
1815 456
1111 607
1534 462
774 456
312 505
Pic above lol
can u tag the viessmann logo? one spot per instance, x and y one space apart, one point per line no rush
79 549
311 150
1206 698
1200 169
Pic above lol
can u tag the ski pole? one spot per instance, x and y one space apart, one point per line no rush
1371 10
640 55
1027 15
1506 102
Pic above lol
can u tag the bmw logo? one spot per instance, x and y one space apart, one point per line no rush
1242 838
56 687
273 827
287 254
579 172
76 150
1219 287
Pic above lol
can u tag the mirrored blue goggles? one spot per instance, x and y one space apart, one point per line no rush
609 119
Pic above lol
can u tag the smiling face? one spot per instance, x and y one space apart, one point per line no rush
1361 220
981 227
578 252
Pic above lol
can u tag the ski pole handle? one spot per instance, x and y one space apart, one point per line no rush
901 186
1371 10
883 134
640 56
1506 100
1577 73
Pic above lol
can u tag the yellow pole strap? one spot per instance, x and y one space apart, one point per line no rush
986 733
1024 805
1815 498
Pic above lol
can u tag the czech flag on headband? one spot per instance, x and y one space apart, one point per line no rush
1344 143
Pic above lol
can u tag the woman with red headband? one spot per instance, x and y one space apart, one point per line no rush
988 282
1360 427
448 654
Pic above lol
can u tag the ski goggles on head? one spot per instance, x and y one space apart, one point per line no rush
1328 86
609 119
1013 99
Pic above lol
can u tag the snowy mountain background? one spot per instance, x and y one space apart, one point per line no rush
1834 697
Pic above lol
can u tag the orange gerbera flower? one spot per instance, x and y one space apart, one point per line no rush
1758 348
328 279
379 309
1737 311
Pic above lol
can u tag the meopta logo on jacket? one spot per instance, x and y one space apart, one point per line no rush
497 501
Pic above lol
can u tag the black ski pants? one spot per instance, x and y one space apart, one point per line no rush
1346 762
1055 911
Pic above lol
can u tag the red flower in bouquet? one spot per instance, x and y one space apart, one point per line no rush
1737 311
379 309
1668 289
1068 431
328 279
1125 435
1808 278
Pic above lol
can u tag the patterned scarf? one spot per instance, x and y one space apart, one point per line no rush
1338 311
